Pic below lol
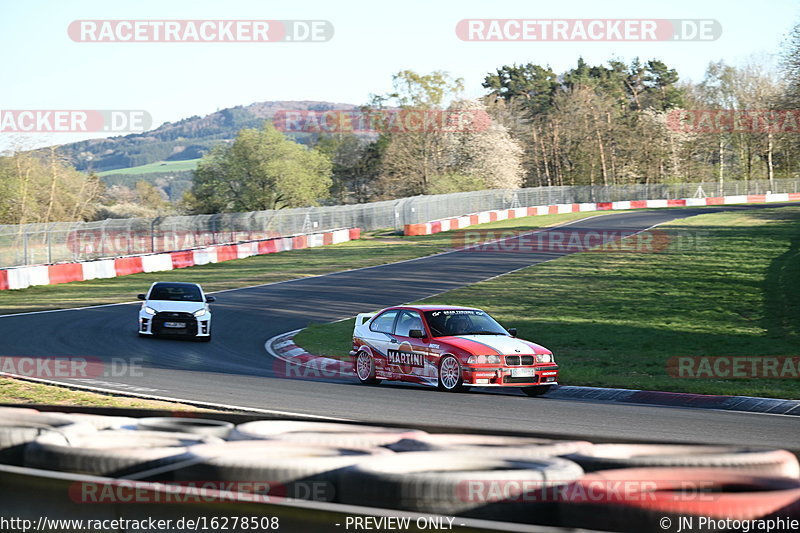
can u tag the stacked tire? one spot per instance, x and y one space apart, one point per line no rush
573 483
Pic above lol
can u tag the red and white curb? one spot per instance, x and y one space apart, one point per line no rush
446 224
27 276
294 361
750 404
283 347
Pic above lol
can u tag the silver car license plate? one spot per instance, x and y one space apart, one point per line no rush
522 372
174 325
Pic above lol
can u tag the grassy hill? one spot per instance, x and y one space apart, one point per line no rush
159 166
181 141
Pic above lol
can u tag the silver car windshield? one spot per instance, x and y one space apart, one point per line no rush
444 323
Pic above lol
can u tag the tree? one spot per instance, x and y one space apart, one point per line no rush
356 165
412 158
469 158
534 85
41 186
149 196
489 155
427 91
260 170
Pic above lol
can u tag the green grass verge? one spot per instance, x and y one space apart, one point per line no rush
374 249
25 392
614 319
158 166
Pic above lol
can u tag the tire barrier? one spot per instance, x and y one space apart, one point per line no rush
491 445
197 426
105 422
113 453
547 482
648 499
324 433
20 427
281 469
742 460
454 483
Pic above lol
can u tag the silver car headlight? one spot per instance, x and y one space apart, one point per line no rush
544 358
483 359
199 312
149 310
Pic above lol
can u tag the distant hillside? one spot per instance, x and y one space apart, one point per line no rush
186 139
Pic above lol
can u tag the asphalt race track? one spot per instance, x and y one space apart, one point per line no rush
235 369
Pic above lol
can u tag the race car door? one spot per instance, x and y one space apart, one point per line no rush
380 338
410 358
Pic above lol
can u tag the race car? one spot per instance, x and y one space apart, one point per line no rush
175 309
449 347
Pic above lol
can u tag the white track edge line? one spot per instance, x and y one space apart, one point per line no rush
194 403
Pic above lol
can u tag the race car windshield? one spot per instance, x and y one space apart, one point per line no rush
176 293
449 322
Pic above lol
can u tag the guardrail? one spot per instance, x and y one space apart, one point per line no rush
55 242
460 222
23 277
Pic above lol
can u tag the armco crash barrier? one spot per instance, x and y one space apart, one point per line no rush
22 277
436 226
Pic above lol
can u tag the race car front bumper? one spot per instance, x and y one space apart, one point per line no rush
161 325
507 376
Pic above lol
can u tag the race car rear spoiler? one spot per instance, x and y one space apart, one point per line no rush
362 318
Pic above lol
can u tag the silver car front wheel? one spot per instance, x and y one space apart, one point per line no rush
450 374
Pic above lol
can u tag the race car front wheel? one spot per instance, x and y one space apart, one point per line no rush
365 369
536 391
450 378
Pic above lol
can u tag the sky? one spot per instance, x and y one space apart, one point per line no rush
45 69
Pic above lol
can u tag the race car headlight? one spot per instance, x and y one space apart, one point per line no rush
149 310
483 359
544 358
199 312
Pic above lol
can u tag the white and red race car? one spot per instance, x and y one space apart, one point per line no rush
448 347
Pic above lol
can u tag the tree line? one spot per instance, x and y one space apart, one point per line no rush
609 124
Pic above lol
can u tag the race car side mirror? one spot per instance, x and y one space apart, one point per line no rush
512 331
142 296
210 299
416 334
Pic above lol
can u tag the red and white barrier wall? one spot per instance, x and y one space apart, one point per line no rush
436 226
22 277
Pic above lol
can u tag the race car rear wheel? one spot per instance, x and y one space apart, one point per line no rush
537 390
450 378
365 369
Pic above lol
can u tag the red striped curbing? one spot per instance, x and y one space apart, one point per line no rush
446 224
22 277
292 361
